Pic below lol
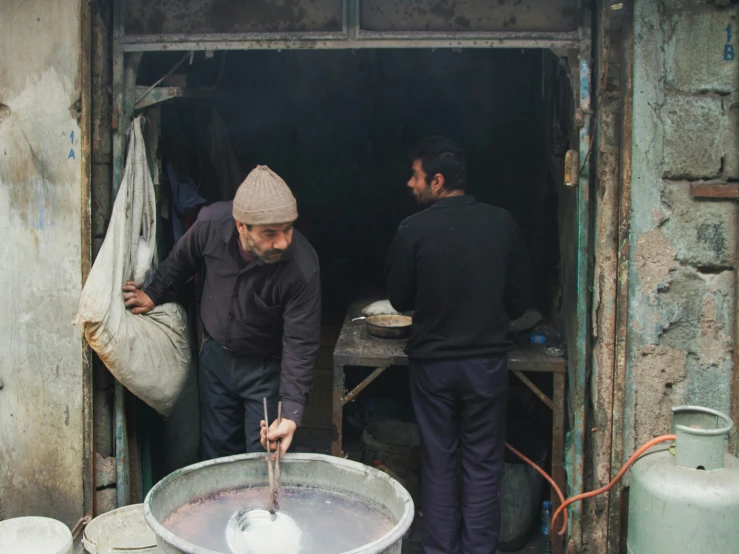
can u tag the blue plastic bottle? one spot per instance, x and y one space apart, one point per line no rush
546 526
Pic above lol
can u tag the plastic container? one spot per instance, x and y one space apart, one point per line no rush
538 338
34 535
121 530
546 526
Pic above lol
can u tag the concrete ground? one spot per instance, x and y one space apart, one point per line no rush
534 547
413 544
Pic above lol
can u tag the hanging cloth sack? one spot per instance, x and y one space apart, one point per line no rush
149 354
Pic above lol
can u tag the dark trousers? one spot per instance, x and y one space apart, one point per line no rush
460 407
231 391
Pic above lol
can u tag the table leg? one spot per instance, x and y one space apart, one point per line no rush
363 385
558 449
337 413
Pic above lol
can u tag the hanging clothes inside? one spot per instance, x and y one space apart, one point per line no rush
185 200
222 156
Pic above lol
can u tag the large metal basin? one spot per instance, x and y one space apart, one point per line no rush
316 470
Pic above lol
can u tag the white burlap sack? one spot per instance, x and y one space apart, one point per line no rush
149 354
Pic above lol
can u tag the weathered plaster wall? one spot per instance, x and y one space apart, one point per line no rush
608 49
41 354
681 297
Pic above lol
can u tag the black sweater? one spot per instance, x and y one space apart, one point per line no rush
463 267
253 308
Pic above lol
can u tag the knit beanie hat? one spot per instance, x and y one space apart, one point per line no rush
264 199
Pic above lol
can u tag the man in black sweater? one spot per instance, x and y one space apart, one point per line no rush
463 267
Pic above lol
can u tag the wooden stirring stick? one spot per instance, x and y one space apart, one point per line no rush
272 491
277 462
279 443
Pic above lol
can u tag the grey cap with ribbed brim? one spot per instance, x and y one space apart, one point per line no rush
264 199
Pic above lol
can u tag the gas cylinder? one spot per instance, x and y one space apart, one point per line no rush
684 496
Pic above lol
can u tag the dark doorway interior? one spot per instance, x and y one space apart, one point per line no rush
337 125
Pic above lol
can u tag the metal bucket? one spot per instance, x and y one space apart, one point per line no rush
520 499
397 445
315 470
34 535
121 530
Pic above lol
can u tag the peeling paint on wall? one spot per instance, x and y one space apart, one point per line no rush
661 373
41 362
654 259
36 154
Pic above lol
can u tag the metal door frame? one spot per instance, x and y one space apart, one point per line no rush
580 354
351 36
127 53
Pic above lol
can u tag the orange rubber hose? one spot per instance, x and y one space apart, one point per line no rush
564 503
635 456
548 478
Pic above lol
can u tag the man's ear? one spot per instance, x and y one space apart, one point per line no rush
437 183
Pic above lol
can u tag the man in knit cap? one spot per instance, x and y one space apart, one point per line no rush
260 311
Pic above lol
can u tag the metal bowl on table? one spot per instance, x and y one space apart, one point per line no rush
387 326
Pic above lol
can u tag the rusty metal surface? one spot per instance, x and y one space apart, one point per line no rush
608 51
622 294
356 346
159 17
125 67
467 16
559 399
120 433
135 472
85 71
715 191
337 410
569 241
581 345
332 24
423 40
123 475
156 95
117 76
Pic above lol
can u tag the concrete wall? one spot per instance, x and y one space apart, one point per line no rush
42 449
681 297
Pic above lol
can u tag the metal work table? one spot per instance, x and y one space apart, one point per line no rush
356 347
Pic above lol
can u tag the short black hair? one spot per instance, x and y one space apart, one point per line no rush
439 154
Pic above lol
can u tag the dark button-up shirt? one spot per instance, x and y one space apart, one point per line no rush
463 267
251 307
